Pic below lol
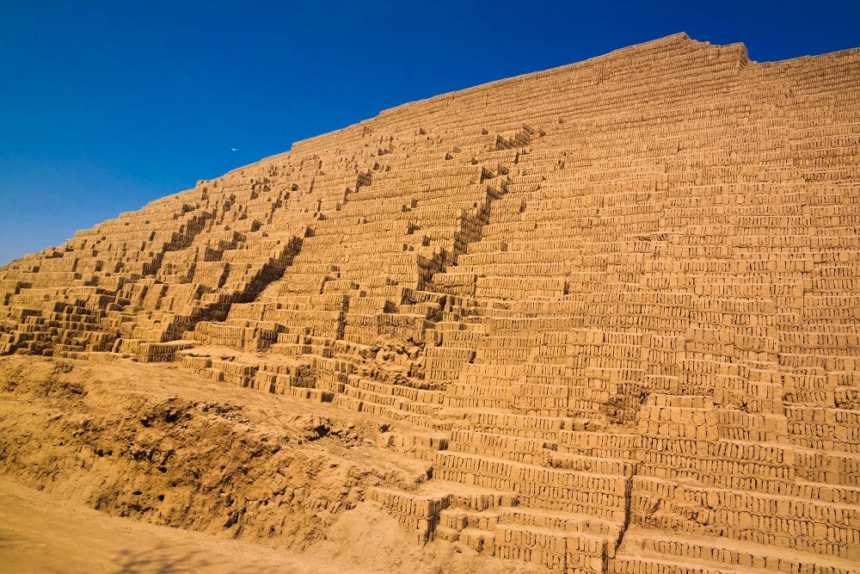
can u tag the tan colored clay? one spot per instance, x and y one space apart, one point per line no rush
621 298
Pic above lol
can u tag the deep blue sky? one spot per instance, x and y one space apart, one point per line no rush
105 105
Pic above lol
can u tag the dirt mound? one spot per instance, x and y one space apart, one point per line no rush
199 465
91 434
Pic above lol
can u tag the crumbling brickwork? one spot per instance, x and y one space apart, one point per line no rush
618 300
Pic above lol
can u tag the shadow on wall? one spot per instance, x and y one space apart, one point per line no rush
163 559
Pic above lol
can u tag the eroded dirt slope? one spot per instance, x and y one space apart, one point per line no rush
250 466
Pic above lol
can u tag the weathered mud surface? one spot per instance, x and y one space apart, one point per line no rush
141 442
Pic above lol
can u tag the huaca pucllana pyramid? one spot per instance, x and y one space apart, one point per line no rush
613 308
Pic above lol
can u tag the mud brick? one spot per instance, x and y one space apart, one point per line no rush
613 306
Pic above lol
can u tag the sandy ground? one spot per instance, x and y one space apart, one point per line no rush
118 467
40 534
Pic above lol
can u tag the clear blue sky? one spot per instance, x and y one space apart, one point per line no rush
105 105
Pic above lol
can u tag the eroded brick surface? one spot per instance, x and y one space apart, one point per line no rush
620 298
